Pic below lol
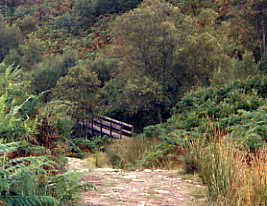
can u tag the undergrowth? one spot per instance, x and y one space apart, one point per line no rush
140 152
34 181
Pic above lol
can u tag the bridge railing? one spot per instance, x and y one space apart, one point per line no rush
111 127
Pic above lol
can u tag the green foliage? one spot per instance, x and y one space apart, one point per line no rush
115 6
82 15
16 106
9 38
24 181
263 64
27 24
20 119
48 72
85 13
19 179
235 112
65 187
79 88
164 53
26 55
80 145
105 68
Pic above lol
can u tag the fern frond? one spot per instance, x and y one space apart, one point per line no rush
19 200
9 147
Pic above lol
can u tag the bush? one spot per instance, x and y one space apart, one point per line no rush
80 17
263 64
45 76
27 24
9 38
237 109
93 144
78 89
236 112
24 181
143 152
86 12
117 6
26 176
26 56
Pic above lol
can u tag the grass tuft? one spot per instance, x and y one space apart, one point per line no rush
234 177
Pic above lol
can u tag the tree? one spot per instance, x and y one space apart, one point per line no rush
147 41
255 12
247 19
78 89
163 52
193 7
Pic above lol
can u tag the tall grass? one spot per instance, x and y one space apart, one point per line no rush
125 153
234 177
142 152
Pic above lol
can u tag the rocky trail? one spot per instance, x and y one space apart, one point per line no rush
115 187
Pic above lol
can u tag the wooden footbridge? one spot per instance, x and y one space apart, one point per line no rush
106 126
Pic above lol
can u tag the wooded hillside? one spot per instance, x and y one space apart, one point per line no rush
191 68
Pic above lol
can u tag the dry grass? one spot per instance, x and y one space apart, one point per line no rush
234 177
125 153
142 152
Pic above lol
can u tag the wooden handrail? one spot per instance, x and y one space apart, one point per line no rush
114 126
110 127
116 121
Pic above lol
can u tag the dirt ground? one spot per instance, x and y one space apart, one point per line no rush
136 188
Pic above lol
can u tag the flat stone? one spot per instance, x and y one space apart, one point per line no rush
143 203
159 170
162 191
130 176
107 170
118 188
138 180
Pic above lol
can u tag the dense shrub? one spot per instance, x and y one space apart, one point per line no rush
27 24
24 181
47 73
31 170
263 64
9 38
85 13
27 55
115 6
236 111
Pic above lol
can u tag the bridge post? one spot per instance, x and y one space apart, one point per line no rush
84 128
92 127
121 130
110 129
101 128
132 130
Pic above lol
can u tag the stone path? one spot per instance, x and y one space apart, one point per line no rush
135 188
